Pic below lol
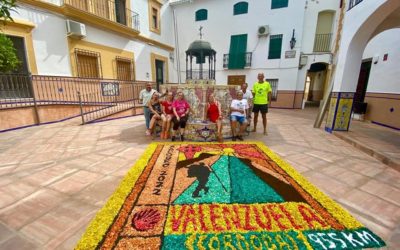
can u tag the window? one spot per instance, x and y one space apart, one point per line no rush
88 64
240 8
201 15
275 47
154 16
276 4
124 69
237 52
274 87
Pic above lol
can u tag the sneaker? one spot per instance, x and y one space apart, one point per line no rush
182 138
240 138
173 138
148 132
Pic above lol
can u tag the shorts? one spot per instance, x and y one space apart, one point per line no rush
260 107
240 119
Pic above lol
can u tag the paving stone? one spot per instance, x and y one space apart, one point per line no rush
19 243
5 233
60 174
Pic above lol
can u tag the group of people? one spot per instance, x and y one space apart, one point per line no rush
175 112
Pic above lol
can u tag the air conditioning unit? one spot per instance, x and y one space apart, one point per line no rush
76 29
263 30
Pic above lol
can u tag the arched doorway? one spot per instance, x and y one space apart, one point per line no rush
315 84
363 21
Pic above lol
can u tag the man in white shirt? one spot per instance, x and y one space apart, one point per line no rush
248 96
239 108
144 97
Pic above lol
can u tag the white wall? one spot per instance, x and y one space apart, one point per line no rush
51 51
221 24
359 24
385 75
141 7
311 19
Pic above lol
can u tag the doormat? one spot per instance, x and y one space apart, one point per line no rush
221 196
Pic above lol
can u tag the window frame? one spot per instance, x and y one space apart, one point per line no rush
237 8
198 14
273 56
155 27
131 68
88 53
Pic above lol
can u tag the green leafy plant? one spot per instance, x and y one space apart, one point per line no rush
8 58
6 6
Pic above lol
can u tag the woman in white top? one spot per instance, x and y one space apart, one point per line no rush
239 107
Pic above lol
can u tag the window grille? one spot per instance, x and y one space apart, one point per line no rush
125 71
88 64
274 86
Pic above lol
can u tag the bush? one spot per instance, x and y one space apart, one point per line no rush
8 58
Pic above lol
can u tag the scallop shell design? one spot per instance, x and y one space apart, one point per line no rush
146 219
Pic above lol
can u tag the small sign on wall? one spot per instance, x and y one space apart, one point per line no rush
290 54
110 89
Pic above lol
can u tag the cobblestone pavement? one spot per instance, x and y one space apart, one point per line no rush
54 178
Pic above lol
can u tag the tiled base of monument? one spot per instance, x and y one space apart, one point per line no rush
221 196
206 131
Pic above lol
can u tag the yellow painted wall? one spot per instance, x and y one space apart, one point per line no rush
107 54
22 28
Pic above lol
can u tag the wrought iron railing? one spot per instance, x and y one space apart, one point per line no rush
241 60
353 3
110 10
15 90
322 42
109 98
97 97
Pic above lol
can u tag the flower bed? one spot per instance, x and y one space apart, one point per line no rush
221 196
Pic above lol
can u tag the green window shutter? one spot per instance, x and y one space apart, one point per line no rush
201 15
240 8
275 47
237 52
276 4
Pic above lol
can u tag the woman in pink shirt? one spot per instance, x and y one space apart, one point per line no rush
181 110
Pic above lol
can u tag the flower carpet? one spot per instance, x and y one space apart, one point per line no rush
221 196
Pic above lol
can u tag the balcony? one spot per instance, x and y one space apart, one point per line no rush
322 42
111 10
353 3
237 61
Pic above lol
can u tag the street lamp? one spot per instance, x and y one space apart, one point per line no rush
292 41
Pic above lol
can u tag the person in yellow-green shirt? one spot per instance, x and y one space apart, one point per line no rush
262 93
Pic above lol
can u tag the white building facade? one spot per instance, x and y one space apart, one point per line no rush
232 28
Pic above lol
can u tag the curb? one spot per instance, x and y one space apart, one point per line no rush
370 151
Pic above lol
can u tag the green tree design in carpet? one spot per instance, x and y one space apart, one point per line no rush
230 180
